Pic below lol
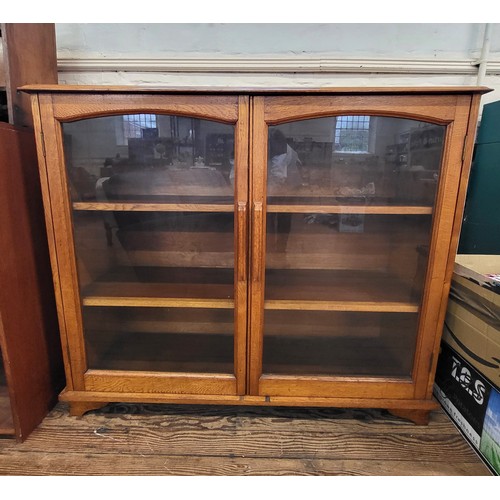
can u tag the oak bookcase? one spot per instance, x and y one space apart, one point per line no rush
253 247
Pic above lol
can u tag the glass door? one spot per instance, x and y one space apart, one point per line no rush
342 220
158 210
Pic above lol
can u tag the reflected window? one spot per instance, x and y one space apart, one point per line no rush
352 134
138 126
171 157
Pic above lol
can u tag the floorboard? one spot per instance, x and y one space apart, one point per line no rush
234 441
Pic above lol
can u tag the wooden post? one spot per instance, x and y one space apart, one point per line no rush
29 334
29 52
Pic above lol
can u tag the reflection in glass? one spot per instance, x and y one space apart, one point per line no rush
157 249
352 134
157 286
149 158
350 202
156 258
374 272
328 257
376 160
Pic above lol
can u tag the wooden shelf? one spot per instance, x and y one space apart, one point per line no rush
120 300
286 289
228 208
162 287
271 208
152 207
337 290
340 306
351 209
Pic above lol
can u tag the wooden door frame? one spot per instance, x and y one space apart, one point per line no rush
453 111
50 111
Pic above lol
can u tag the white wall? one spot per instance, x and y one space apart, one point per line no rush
355 40
283 55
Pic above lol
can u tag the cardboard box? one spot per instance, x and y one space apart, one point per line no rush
472 323
471 402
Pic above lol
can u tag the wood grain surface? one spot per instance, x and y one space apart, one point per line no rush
276 284
387 90
29 338
29 54
347 209
204 440
153 207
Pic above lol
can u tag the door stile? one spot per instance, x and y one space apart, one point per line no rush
468 148
454 113
69 304
257 243
449 207
249 248
51 239
241 242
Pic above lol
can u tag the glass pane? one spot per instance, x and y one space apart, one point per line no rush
350 203
143 259
159 339
372 270
345 257
363 159
156 282
339 343
154 158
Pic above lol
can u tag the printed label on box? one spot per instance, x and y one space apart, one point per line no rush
463 392
472 403
490 439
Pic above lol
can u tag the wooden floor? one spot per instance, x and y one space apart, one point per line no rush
238 441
